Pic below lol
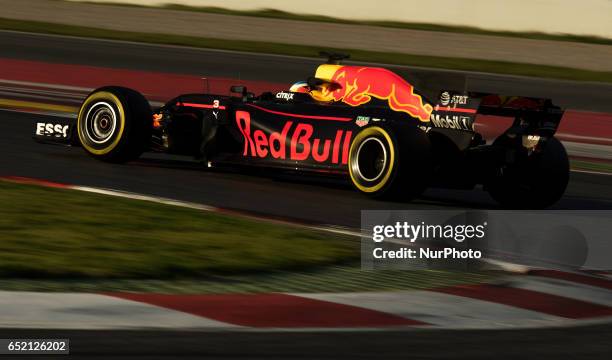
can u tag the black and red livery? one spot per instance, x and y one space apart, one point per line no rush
366 125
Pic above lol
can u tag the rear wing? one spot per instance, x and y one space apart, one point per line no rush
534 116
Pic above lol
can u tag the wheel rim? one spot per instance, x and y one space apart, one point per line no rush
100 122
371 159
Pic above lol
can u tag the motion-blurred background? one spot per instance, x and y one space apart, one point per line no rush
173 247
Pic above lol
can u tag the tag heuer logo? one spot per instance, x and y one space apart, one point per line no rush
362 121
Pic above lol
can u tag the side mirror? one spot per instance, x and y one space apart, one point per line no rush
239 89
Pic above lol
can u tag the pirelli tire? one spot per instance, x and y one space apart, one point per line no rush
390 162
114 124
535 182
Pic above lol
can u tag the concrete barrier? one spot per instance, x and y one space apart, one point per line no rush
587 17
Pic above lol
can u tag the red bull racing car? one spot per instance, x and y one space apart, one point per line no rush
364 124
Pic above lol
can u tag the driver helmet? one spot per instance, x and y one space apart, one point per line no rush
300 87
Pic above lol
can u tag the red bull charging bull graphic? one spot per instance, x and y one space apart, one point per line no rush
356 85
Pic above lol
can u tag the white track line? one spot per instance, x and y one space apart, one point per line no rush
589 150
134 196
203 207
591 172
443 310
91 311
564 288
46 85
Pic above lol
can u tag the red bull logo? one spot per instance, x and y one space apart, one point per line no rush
296 142
355 85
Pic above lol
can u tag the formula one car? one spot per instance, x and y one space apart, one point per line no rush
364 124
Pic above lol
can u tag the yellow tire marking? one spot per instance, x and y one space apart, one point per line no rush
37 106
360 136
96 96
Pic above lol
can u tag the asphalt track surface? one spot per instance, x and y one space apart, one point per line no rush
314 201
310 201
589 342
212 63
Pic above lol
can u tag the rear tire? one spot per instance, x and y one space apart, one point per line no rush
114 124
392 163
537 182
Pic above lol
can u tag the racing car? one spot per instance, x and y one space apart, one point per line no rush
364 124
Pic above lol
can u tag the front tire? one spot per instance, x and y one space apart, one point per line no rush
392 163
114 124
536 182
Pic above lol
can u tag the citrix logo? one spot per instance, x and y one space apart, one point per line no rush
284 95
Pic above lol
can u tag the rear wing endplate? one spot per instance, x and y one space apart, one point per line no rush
535 116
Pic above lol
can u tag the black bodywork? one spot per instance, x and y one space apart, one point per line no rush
296 133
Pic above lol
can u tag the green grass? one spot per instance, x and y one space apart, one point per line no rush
603 166
310 51
55 233
278 14
64 240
